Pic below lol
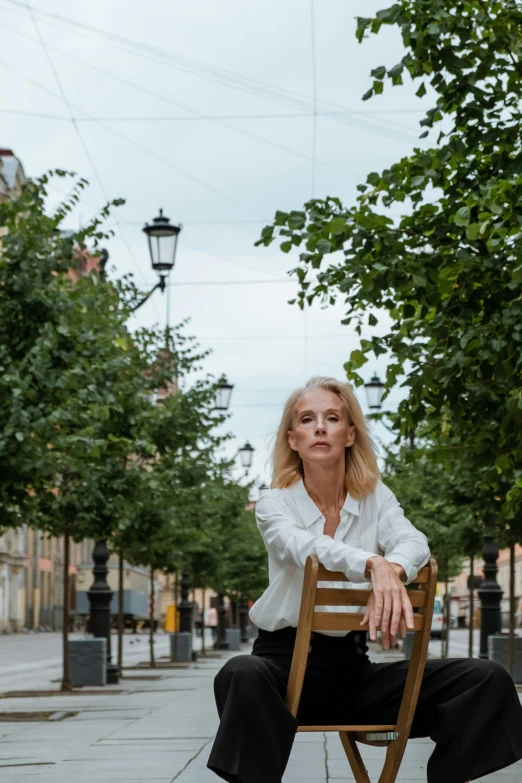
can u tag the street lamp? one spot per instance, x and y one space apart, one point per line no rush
163 243
374 391
246 455
223 394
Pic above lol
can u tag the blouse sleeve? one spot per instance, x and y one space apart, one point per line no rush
400 541
290 544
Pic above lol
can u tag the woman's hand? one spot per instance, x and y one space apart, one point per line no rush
389 604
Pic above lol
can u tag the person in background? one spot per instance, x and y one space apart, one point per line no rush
212 621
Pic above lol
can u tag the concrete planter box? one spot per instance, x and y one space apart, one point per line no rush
88 662
498 652
234 638
181 647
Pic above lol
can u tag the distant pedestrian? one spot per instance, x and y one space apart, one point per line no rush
212 621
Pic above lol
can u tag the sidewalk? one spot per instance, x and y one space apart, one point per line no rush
158 725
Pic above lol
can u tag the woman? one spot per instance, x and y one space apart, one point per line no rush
327 499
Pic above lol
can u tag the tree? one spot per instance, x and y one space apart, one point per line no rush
76 387
449 272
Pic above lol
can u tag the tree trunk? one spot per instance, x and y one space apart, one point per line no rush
203 650
66 680
471 602
511 640
151 634
445 645
120 613
176 586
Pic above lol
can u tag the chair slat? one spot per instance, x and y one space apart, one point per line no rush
330 576
337 596
422 577
339 621
338 576
360 727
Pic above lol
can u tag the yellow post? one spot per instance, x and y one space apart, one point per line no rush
172 619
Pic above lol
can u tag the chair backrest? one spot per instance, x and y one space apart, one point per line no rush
421 592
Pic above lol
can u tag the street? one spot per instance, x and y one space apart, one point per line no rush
154 725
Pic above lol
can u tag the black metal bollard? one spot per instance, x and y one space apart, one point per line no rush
221 641
185 607
100 597
490 593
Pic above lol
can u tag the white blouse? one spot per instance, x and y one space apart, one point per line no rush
292 528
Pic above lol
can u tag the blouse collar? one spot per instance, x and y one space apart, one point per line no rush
307 508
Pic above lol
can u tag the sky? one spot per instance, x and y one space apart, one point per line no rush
220 114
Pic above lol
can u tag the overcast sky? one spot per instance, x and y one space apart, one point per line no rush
206 109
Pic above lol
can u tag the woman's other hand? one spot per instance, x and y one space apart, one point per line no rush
389 605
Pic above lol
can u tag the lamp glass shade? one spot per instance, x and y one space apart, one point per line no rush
223 394
374 391
246 455
163 241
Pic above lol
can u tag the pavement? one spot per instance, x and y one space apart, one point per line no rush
155 725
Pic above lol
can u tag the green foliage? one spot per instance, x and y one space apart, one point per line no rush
84 446
448 273
441 497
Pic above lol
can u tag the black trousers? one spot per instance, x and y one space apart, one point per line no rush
469 707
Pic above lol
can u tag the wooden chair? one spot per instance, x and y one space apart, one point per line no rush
422 595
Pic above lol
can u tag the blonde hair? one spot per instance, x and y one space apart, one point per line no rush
362 472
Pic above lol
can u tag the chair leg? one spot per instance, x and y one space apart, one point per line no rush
354 757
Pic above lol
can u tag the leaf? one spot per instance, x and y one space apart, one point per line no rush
324 246
297 220
357 359
472 231
286 246
338 226
379 73
421 91
462 217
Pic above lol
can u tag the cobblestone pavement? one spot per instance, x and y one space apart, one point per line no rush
158 726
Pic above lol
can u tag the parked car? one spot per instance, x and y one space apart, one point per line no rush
437 623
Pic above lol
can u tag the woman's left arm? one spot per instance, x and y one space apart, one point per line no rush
400 541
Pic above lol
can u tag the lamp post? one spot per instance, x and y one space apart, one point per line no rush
163 241
246 455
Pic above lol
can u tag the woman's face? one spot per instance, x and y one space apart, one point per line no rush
320 430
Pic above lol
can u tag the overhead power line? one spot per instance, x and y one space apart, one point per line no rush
227 282
215 74
196 114
202 118
141 147
78 133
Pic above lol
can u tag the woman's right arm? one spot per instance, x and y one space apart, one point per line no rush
290 544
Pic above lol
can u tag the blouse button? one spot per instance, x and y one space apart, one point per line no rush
310 649
356 638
